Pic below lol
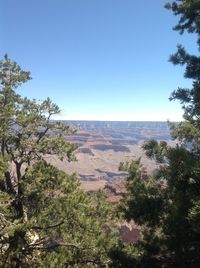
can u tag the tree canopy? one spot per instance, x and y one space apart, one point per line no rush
167 204
46 220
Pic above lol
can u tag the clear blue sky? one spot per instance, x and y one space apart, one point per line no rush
97 59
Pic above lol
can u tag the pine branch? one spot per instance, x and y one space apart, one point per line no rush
47 227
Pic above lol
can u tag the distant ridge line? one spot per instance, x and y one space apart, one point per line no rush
117 121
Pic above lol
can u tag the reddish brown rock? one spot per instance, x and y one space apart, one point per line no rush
128 234
114 191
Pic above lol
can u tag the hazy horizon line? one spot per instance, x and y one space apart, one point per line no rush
98 120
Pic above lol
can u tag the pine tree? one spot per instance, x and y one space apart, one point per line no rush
167 205
46 220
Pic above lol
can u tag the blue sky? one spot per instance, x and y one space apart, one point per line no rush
97 59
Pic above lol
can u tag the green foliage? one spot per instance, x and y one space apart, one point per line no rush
45 219
124 256
167 204
145 193
155 150
188 10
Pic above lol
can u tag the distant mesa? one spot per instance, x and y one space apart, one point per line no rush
112 174
124 141
103 145
87 177
85 150
82 134
118 174
106 147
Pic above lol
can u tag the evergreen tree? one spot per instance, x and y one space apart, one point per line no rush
167 205
46 220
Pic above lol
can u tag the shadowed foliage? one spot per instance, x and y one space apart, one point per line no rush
166 205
